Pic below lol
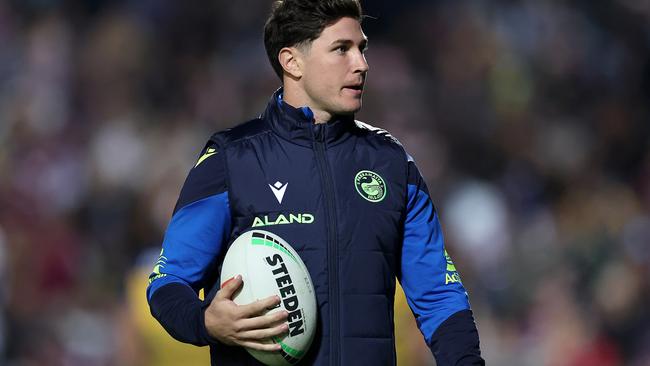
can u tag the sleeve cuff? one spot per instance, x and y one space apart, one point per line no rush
456 341
179 310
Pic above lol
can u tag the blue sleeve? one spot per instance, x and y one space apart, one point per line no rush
191 248
192 244
429 278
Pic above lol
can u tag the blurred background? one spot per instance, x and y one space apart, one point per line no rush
529 120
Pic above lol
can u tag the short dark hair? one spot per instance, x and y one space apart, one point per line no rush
295 22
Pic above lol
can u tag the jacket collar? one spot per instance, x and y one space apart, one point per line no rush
297 124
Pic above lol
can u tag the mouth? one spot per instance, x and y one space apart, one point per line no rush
356 88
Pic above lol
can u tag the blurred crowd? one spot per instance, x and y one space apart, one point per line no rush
529 119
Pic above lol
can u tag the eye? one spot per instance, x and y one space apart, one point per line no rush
364 47
341 49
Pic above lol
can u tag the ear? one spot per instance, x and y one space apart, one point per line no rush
291 61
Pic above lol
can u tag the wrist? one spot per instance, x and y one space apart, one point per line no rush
205 327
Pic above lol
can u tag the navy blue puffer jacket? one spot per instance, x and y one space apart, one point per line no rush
351 202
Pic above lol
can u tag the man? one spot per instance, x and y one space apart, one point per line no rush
373 219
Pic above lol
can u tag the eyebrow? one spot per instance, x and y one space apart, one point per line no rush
348 42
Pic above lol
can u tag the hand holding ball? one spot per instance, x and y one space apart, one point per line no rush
272 271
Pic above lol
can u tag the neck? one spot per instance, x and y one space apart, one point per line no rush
297 97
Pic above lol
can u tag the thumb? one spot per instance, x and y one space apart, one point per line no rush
229 288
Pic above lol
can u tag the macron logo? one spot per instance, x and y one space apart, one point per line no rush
278 190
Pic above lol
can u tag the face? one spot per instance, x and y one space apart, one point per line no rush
334 69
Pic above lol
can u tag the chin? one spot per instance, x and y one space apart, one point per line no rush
351 108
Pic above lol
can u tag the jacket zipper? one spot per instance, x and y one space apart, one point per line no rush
332 245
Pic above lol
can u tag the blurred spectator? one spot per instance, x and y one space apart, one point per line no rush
529 120
3 295
143 341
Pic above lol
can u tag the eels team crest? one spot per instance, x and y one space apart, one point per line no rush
370 186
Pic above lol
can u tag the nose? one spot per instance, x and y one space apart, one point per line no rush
361 64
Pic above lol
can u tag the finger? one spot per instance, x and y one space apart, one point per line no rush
259 334
263 321
259 307
229 287
268 347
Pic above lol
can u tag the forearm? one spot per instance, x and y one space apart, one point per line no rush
456 341
179 310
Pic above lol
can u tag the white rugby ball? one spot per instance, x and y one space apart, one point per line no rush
270 266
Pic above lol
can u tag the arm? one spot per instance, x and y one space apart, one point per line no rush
431 283
193 244
199 228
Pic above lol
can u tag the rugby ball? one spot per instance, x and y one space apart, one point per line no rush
270 266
